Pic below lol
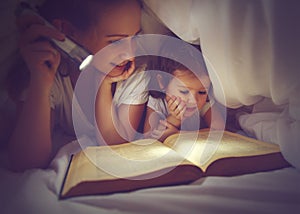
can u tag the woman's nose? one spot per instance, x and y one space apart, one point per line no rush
124 56
124 50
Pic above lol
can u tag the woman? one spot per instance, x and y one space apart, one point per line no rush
93 24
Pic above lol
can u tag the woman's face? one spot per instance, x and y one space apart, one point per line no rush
116 22
190 89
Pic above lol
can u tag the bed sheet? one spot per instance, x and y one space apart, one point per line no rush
36 191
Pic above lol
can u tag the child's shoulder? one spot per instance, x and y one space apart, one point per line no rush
157 104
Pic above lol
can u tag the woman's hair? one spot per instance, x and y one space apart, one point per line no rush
83 14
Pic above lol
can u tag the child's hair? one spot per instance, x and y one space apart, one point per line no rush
165 67
168 62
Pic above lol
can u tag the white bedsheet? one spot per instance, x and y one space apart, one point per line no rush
36 191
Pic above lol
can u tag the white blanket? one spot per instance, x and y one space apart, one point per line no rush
251 49
36 191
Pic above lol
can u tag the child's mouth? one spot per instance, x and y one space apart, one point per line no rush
191 109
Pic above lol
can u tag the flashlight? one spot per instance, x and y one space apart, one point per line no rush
73 50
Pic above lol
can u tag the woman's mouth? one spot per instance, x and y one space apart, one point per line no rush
120 68
123 66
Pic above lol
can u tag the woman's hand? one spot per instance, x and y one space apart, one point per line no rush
122 76
38 52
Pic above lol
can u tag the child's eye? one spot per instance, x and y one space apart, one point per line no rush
114 41
202 92
184 91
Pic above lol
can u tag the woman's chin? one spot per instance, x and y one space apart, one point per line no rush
115 72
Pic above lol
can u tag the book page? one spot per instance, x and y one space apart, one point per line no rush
121 161
203 148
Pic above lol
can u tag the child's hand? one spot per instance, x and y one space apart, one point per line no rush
40 56
158 131
163 130
176 107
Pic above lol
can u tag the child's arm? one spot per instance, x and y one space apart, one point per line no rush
164 130
157 128
151 123
218 123
151 120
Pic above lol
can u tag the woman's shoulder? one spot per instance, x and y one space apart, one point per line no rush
140 74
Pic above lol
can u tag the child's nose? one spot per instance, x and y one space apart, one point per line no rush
192 98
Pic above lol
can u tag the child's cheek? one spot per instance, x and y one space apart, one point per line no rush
201 103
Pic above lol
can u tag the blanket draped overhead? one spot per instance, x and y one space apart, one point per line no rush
252 50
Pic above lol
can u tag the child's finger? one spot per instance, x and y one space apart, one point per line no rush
181 106
168 97
164 123
181 113
173 104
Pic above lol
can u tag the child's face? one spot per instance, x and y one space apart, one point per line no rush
189 89
116 22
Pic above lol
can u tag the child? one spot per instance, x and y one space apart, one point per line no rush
178 99
94 25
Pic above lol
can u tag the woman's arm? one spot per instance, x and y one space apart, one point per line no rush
30 143
116 125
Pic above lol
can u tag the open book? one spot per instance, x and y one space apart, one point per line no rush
180 159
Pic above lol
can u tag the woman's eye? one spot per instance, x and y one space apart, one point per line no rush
184 91
202 92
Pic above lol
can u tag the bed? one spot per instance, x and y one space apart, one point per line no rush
36 190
